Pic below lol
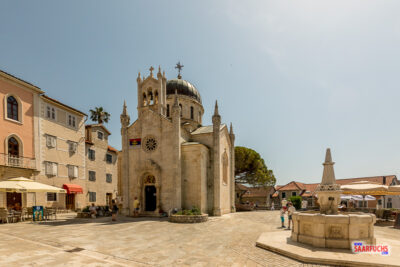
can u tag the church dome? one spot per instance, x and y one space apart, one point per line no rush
183 87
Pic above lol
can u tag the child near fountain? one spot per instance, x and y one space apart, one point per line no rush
283 211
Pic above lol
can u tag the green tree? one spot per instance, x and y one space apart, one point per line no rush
250 168
99 115
296 200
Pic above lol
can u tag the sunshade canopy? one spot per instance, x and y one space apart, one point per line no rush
357 197
22 184
364 188
394 189
73 188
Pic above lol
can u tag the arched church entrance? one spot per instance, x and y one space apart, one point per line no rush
150 193
150 197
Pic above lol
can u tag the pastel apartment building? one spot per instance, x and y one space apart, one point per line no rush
46 140
18 125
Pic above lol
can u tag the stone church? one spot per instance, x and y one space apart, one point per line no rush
169 159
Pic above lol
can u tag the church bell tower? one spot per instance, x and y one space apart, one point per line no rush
152 92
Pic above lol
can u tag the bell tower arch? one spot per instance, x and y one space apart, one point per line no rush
151 92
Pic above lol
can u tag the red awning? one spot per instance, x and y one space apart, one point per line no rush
73 188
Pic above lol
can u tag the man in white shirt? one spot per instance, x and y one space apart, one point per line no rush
291 209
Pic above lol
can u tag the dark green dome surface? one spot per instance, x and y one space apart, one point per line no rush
183 87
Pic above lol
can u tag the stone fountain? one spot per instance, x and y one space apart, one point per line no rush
328 228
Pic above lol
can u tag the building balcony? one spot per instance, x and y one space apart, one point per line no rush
17 162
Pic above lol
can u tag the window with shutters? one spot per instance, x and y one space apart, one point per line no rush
109 178
91 154
92 196
51 112
51 196
73 146
92 176
72 121
109 158
51 168
72 171
51 141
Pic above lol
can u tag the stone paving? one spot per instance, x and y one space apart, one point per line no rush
222 241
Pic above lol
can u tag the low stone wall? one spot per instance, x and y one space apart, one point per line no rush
188 218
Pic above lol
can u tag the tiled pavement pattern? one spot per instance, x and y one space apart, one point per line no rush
222 241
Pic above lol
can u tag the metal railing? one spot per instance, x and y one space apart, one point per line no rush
20 162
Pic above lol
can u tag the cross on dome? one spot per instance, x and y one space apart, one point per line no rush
179 67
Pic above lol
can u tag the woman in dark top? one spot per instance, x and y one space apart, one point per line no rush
114 210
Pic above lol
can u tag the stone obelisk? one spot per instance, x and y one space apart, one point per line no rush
328 191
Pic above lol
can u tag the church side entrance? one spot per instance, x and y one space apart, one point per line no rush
150 198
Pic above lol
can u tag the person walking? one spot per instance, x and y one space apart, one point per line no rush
291 209
136 205
283 211
114 210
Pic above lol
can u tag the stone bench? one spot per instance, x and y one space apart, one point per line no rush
188 218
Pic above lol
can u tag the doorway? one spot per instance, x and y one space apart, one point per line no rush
150 197
70 201
108 199
14 200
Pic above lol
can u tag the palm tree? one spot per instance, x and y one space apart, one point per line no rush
99 115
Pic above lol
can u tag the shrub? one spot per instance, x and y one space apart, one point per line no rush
296 200
193 211
85 209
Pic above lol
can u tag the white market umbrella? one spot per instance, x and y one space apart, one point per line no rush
364 188
394 190
22 185
25 185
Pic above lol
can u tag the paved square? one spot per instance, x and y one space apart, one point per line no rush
222 241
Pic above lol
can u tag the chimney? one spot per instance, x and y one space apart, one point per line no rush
384 180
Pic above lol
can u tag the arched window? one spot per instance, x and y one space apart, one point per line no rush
180 105
144 100
151 98
13 147
156 98
167 110
12 108
225 167
191 113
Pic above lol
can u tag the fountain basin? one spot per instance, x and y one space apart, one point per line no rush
333 231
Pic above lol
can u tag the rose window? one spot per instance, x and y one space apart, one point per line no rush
150 144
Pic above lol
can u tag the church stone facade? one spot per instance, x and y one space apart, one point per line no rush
168 159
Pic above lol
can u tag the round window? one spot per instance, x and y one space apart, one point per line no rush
150 144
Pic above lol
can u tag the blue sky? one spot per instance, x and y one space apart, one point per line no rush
294 77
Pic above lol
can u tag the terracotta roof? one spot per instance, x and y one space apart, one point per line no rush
258 192
292 186
110 148
241 187
62 104
98 125
309 189
374 179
